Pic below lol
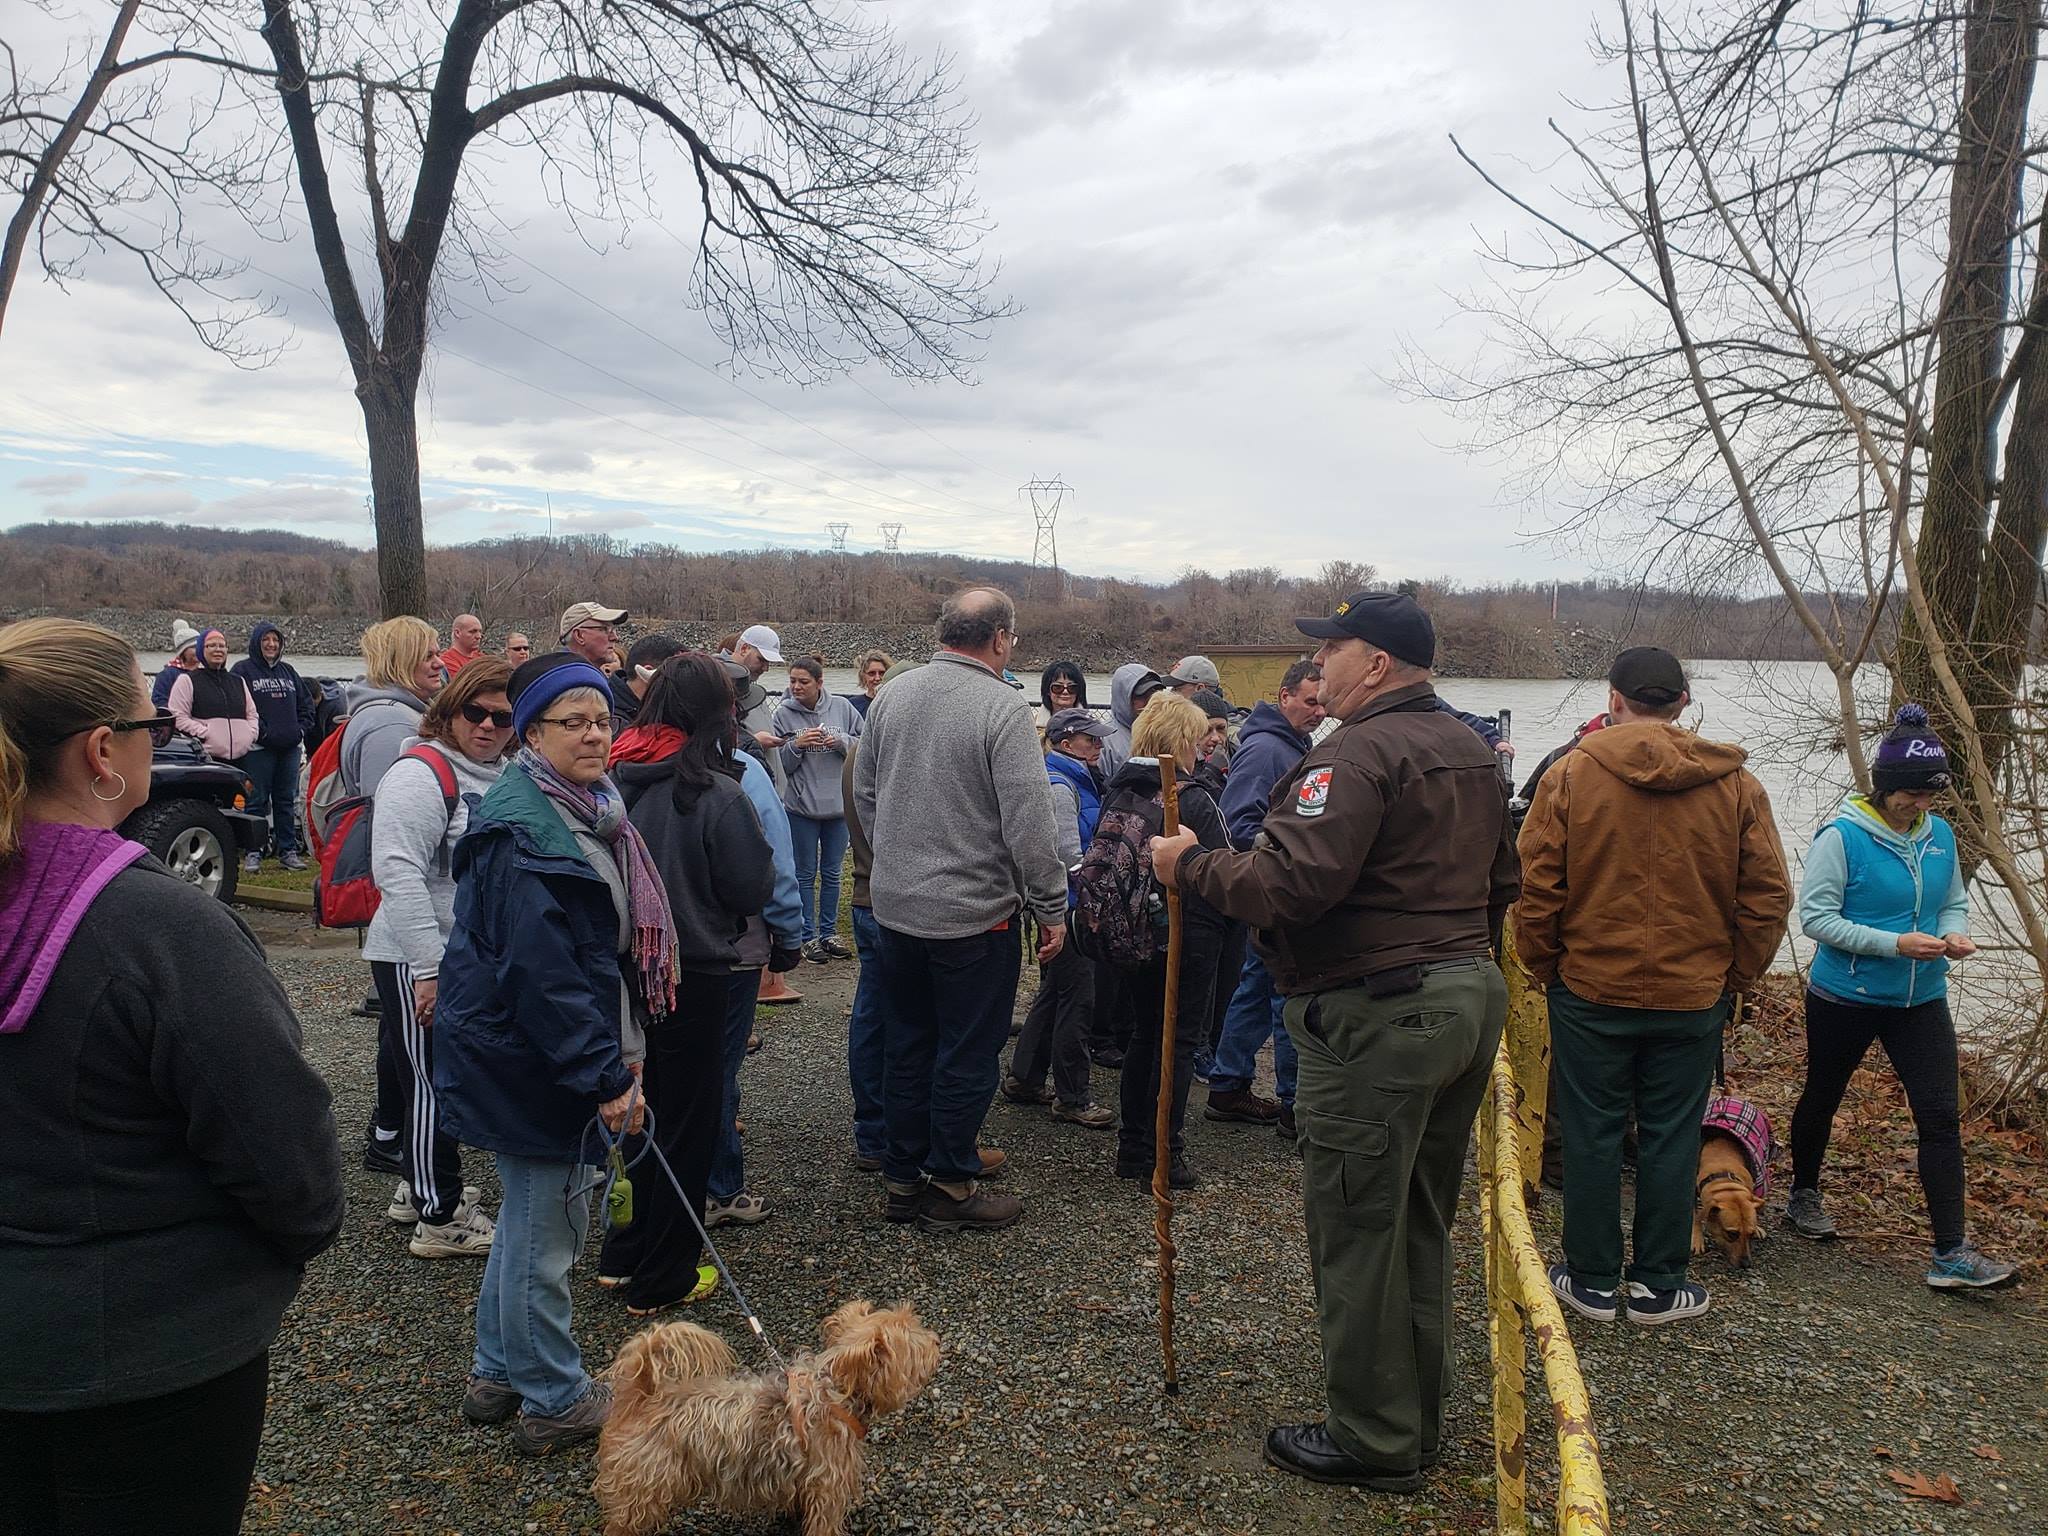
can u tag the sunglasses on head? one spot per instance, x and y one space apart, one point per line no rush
476 714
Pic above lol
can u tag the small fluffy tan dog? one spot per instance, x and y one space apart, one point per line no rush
687 1429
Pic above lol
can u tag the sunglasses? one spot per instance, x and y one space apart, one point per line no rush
476 714
517 650
162 726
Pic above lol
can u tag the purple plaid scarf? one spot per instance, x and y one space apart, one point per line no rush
600 810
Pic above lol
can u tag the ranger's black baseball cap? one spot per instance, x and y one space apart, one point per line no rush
1390 620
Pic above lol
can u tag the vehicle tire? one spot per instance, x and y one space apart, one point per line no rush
193 839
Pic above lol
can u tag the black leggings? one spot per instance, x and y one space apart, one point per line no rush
180 1462
1921 1042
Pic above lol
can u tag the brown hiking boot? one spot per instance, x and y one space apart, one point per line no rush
942 1211
1097 1117
533 1436
993 1161
1240 1104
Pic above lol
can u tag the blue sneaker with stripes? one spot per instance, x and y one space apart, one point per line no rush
1965 1269
1581 1298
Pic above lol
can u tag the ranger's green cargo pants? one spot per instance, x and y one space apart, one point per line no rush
1389 1090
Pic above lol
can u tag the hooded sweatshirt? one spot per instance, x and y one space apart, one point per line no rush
1652 875
810 775
284 704
380 723
168 1155
412 854
1268 749
215 705
1865 884
716 864
1123 714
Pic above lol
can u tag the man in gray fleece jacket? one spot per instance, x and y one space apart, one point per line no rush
950 786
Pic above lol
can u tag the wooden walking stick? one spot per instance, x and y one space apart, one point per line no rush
1162 1128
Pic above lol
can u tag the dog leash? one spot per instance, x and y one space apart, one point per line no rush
615 1162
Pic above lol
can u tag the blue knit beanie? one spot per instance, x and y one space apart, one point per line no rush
1911 756
538 682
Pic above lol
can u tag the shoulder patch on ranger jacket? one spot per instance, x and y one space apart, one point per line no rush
1312 796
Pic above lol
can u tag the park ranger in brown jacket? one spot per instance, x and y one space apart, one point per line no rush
1376 882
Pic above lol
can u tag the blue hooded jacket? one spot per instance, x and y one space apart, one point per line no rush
1864 885
526 1025
284 704
1268 749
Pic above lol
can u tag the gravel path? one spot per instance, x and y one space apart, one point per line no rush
1046 1416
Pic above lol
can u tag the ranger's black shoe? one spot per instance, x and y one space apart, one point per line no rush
1307 1451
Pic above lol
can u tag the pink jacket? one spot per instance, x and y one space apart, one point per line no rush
224 739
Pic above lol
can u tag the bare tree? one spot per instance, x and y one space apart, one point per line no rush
1794 351
102 155
829 170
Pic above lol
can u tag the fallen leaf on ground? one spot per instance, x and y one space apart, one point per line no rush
1986 1452
1942 1489
1881 1450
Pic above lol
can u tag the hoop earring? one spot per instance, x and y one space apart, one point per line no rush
116 795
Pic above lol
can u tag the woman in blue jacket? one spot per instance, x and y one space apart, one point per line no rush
1883 899
562 931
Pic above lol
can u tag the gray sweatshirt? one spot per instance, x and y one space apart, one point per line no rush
412 844
950 786
380 723
810 775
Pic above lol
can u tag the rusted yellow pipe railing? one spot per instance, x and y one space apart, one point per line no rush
1518 1292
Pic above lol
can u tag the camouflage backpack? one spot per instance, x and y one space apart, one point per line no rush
1118 913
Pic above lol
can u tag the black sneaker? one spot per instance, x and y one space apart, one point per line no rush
1179 1174
1650 1307
1285 1124
978 1210
900 1205
1581 1298
1107 1056
380 1156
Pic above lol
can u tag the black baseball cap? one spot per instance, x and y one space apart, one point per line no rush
1392 621
1648 674
1074 722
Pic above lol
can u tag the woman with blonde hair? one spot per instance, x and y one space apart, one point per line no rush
870 667
1170 724
401 671
168 1154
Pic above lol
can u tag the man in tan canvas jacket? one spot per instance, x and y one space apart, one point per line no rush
1653 892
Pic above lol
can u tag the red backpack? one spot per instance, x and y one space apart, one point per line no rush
345 893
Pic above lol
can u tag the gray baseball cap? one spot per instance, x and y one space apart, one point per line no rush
1074 722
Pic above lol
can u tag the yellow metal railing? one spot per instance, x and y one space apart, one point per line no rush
1518 1292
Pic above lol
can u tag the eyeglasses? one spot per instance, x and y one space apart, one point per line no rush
609 629
162 726
578 725
476 714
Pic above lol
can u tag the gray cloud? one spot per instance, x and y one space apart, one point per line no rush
563 461
51 485
170 506
491 463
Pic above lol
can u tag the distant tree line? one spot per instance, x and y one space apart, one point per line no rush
1490 630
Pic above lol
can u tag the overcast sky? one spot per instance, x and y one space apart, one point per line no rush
1219 222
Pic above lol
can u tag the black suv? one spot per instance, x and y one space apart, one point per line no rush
194 821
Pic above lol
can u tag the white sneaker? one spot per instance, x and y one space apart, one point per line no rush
467 1236
402 1212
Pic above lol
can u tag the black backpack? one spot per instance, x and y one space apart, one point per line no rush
1119 912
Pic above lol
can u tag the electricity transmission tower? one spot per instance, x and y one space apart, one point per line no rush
892 534
1047 497
838 532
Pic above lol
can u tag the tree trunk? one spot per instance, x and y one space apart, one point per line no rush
1984 207
391 423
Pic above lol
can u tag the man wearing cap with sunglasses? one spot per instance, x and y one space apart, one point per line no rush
1654 892
1376 883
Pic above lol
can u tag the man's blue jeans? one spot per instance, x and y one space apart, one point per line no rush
274 792
864 1068
1255 1012
820 844
946 1006
522 1313
729 1163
